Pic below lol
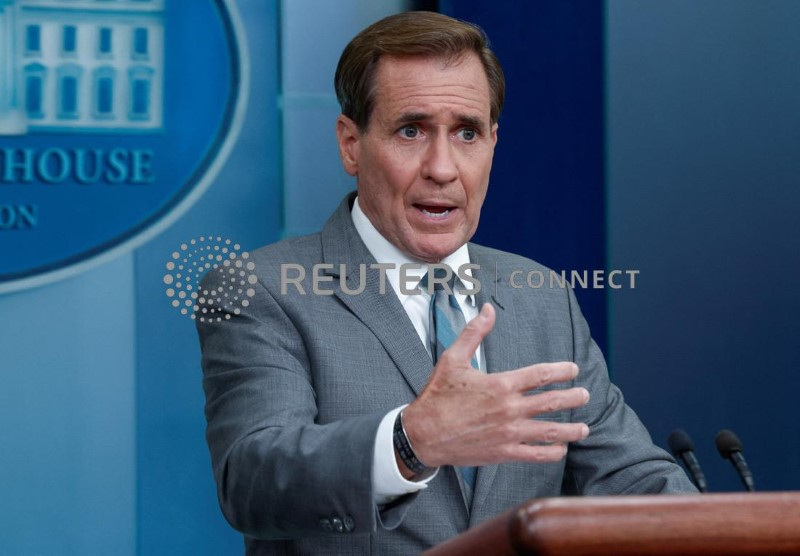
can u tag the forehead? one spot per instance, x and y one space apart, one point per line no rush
433 86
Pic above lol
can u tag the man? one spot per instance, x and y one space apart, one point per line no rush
330 427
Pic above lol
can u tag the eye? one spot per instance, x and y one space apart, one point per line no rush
409 131
468 134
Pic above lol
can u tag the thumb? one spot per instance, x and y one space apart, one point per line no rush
463 348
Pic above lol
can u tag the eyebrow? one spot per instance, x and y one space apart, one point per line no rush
410 117
471 121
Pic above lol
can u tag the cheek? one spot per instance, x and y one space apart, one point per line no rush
382 193
477 187
391 171
401 173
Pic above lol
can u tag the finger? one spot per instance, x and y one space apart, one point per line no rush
535 432
463 348
554 400
541 374
536 454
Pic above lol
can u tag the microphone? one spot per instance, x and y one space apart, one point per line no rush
730 447
682 446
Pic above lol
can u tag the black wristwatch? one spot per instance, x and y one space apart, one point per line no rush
403 447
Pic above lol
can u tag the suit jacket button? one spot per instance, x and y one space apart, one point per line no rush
338 526
325 523
349 524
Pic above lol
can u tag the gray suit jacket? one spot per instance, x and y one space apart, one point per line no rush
296 386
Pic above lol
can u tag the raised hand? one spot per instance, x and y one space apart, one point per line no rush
464 417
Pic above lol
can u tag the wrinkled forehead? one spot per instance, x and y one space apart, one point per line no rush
428 85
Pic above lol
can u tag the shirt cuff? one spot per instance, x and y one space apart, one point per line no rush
387 482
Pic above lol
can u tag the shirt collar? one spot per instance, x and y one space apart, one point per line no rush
385 252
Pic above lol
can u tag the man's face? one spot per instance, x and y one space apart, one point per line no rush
423 164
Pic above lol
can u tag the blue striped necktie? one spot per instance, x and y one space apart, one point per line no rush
446 321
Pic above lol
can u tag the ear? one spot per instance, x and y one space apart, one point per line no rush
348 135
494 135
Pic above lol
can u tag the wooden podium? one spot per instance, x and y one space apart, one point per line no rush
707 524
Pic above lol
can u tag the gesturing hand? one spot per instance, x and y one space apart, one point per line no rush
464 417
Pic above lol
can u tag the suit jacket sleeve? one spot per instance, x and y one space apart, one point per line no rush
619 456
280 474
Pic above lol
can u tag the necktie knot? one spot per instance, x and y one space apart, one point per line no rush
446 320
441 278
444 280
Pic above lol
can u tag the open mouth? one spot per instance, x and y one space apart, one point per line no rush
432 211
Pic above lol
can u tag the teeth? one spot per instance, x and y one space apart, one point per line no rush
435 214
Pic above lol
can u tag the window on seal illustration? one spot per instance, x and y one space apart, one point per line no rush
103 105
104 42
33 40
34 90
140 79
139 49
69 40
69 77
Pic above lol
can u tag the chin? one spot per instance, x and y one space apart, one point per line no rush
435 254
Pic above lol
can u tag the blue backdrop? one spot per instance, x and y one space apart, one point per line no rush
702 127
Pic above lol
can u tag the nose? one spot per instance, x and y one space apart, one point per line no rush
439 162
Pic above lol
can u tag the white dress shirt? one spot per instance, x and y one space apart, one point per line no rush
387 482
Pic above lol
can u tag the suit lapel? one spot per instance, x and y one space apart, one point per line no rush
498 348
380 311
498 345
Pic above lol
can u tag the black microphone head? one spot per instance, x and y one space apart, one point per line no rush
727 443
680 442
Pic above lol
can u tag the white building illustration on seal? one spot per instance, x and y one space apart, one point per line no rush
81 65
